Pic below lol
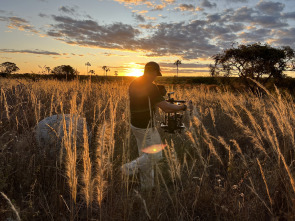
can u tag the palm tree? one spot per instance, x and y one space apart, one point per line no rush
178 62
87 64
106 69
47 69
91 73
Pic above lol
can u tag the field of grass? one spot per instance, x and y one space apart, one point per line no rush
234 161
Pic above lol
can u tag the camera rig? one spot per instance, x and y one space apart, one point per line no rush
173 121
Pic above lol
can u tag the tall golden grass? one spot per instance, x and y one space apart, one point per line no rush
234 161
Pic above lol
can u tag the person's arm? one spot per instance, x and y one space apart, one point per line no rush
170 108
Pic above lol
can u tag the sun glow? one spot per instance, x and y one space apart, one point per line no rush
134 72
154 148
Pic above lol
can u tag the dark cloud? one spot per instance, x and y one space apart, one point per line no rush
213 18
90 33
289 15
251 16
285 37
256 35
40 52
270 8
138 17
67 10
243 14
187 40
208 4
42 15
236 27
269 21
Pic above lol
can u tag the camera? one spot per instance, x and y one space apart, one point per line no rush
172 121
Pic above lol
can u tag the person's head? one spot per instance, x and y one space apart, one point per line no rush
152 70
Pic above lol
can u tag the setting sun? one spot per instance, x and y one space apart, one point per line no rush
135 72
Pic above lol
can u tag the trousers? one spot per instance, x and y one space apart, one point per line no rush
145 162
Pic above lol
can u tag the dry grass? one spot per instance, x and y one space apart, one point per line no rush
235 161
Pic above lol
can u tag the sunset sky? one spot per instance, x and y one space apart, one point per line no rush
125 34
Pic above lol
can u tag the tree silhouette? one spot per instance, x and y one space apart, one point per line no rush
116 73
66 71
106 69
44 69
8 68
254 61
48 69
92 72
87 64
177 63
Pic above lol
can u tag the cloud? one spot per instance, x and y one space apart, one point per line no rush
138 18
158 7
256 35
186 7
18 23
289 15
269 21
234 1
253 17
243 14
90 33
148 26
42 15
208 4
285 37
270 8
187 40
131 2
67 10
213 18
40 52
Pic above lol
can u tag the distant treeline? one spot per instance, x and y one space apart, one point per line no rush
230 82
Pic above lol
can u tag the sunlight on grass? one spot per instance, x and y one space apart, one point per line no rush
234 160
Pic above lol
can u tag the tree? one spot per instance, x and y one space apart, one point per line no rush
66 71
48 69
92 72
44 69
106 69
254 61
116 73
8 68
87 64
177 63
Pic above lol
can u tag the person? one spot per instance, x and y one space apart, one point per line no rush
145 96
